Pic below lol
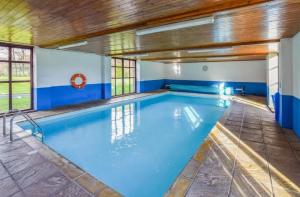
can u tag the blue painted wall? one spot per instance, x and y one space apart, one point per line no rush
57 96
253 88
285 116
52 97
150 85
287 112
296 115
106 91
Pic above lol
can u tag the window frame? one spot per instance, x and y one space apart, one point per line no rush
122 78
10 81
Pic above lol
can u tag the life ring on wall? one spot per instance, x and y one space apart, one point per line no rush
78 80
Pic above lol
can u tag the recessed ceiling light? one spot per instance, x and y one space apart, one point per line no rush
73 45
208 50
179 25
222 58
137 55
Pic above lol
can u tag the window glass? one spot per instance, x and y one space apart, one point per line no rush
21 95
118 62
132 64
19 54
119 72
3 53
113 90
113 72
20 71
126 86
119 86
4 71
15 78
132 72
126 63
132 85
122 76
113 62
126 72
4 97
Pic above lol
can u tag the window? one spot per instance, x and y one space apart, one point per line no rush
15 77
123 76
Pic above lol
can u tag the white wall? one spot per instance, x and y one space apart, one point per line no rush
55 67
237 71
106 69
272 76
151 70
289 73
296 66
286 66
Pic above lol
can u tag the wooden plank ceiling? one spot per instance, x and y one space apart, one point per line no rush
249 27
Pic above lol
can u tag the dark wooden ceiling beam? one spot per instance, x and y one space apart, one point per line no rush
204 56
197 13
208 46
225 60
249 58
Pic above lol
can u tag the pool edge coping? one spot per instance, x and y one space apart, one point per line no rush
182 183
96 187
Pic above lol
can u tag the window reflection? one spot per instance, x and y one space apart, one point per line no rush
122 121
192 116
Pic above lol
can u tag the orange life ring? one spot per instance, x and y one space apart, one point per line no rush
74 80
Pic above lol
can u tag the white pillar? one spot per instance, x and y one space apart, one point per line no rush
106 77
138 76
285 116
296 83
272 77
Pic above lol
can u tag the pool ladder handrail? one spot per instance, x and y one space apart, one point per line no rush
27 117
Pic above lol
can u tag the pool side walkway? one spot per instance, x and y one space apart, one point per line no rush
246 154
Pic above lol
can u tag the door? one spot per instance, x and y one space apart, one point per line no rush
123 76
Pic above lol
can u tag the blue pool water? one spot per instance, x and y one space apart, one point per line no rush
138 148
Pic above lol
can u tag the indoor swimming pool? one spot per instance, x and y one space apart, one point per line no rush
137 147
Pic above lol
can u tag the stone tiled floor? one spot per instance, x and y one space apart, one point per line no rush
246 154
24 172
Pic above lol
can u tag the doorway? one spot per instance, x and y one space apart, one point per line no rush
123 76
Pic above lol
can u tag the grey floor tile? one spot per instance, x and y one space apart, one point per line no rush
252 126
259 148
248 186
252 131
12 146
207 185
252 137
24 162
48 186
295 146
18 194
3 172
72 190
33 175
7 187
15 154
